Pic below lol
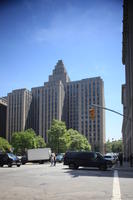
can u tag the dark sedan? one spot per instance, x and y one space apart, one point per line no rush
9 159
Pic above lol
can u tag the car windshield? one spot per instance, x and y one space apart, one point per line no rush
99 155
12 156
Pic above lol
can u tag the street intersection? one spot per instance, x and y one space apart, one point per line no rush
43 182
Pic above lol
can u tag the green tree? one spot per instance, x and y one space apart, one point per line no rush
40 142
4 145
108 146
117 146
21 141
114 146
57 136
61 140
77 141
64 142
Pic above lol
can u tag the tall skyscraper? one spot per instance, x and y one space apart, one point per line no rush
60 99
68 101
48 101
18 111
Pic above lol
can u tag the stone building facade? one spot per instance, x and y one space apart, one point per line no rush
18 111
127 88
70 101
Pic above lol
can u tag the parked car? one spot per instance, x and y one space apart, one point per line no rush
9 159
86 159
110 158
59 158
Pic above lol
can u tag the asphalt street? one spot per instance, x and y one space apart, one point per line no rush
43 182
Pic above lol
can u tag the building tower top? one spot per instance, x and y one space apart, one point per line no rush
59 73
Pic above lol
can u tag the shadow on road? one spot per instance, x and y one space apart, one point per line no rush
84 171
123 172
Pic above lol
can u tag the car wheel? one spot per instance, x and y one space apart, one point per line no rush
1 165
18 165
71 166
9 164
23 163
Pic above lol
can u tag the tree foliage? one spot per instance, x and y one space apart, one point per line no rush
4 145
40 142
108 146
60 139
78 142
21 141
115 146
56 136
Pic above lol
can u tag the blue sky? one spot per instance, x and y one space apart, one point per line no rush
85 34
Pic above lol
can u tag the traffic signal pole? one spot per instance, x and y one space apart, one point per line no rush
95 105
98 106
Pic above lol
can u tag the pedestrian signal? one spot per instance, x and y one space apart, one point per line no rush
92 113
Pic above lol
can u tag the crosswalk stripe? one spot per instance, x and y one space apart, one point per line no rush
116 194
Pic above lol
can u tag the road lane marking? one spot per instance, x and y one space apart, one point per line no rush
116 193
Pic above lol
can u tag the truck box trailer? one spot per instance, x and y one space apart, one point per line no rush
39 155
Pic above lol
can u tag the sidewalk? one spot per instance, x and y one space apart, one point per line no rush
124 167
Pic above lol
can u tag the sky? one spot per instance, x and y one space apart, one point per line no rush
85 34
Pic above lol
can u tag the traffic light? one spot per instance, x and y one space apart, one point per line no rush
92 113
